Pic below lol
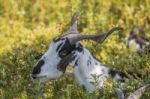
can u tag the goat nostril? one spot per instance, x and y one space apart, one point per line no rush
33 76
36 71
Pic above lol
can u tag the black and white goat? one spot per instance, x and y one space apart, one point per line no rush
67 49
137 39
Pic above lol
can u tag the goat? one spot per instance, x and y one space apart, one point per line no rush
67 49
139 40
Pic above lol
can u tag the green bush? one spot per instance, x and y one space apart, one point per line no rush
27 28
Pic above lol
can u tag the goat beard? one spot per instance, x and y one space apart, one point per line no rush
62 65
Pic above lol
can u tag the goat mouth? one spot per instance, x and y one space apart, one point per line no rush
38 77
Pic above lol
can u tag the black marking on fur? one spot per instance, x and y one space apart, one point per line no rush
66 49
65 61
89 61
37 68
135 75
59 46
66 54
79 48
114 73
76 62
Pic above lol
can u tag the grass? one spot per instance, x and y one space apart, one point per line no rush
27 28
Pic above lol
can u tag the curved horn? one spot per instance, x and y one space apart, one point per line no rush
138 93
73 38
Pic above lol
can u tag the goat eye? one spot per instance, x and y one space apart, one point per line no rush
63 53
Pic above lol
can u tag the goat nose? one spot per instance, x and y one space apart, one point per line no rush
37 68
33 76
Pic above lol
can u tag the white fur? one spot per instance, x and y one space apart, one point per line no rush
83 73
117 77
49 69
138 48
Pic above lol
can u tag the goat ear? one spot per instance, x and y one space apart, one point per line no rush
73 28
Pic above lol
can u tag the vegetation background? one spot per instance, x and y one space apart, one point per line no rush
28 26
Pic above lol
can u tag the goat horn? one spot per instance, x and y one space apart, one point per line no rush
73 28
73 38
138 93
135 95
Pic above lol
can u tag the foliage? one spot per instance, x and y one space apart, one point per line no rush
27 27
